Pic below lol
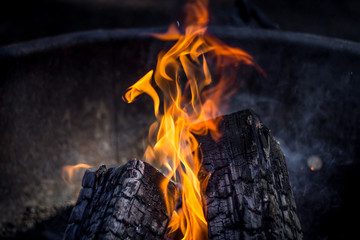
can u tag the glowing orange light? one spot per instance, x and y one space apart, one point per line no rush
188 109
68 171
314 162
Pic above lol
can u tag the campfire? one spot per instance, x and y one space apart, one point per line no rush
62 107
190 109
221 176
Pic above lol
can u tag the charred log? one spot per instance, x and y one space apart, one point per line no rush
120 203
248 194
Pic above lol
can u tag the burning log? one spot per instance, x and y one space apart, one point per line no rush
120 203
248 195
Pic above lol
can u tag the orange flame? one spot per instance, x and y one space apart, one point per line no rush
188 109
68 171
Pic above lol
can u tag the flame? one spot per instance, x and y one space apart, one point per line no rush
68 171
189 109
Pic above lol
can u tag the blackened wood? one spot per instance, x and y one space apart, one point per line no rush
120 203
248 194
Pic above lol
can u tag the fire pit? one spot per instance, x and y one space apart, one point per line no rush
61 104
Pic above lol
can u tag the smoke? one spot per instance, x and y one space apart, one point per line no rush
316 125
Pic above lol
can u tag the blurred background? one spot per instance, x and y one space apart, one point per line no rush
61 104
22 20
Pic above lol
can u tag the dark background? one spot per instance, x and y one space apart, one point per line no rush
24 20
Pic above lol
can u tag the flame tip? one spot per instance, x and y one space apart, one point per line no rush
68 171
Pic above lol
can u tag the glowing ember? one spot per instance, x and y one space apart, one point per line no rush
314 162
68 171
189 109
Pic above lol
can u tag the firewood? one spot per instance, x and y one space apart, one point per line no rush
248 195
120 203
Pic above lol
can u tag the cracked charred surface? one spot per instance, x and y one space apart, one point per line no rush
120 203
248 195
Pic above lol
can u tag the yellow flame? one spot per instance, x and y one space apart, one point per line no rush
188 109
68 171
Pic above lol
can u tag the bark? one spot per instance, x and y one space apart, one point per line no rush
248 194
120 203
